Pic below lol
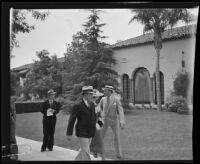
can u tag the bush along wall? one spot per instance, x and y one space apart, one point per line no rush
177 104
126 106
28 107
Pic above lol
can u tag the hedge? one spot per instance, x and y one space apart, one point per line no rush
28 107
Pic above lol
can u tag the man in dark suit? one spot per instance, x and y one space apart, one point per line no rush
84 112
49 108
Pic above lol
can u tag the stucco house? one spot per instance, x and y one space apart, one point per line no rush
136 63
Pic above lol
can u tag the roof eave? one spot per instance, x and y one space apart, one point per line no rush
150 42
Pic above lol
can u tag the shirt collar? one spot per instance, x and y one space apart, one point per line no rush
86 103
109 96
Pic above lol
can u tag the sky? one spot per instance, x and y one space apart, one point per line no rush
57 30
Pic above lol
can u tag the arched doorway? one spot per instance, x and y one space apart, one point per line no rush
142 90
161 88
126 86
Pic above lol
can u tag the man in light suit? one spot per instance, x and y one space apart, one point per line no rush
113 116
84 113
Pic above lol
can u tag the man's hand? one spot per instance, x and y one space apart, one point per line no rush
122 125
69 138
52 110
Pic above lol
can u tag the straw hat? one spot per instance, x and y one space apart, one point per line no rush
87 89
51 92
108 87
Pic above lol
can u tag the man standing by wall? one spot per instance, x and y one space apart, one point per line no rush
49 108
84 112
113 115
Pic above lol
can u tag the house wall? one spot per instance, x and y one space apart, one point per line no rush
145 56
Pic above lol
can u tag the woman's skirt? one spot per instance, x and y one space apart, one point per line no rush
97 143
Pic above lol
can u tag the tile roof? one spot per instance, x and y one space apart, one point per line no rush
175 33
29 66
23 67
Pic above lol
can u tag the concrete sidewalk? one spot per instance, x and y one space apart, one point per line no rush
29 150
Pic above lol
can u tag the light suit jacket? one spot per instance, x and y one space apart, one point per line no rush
115 109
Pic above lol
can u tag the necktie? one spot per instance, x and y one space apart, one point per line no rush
88 105
51 102
107 104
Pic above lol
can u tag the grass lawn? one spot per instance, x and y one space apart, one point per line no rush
149 135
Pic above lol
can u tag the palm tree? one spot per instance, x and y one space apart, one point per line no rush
157 21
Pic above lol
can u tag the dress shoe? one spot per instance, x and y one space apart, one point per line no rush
42 150
95 155
51 149
119 157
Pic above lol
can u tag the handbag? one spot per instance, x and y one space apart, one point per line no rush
100 123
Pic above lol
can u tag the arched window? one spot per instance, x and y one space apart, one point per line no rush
126 87
142 86
161 87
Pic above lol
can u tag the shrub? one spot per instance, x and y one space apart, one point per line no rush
164 108
138 106
14 78
28 107
126 105
181 84
183 111
176 102
19 98
66 103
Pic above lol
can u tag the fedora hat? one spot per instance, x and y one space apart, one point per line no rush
87 89
108 87
51 92
97 93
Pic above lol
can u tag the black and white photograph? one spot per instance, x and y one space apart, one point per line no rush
91 83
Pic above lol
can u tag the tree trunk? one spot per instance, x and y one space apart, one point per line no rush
158 47
158 80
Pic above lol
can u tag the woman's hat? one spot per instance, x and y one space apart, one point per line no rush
108 87
87 89
97 93
51 92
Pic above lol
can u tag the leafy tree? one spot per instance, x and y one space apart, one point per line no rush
14 78
19 24
90 59
158 20
45 75
42 66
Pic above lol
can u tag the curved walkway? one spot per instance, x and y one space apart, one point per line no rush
29 150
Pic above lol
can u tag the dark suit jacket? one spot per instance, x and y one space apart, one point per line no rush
56 106
86 120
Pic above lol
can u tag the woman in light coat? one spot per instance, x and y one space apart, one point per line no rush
96 145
